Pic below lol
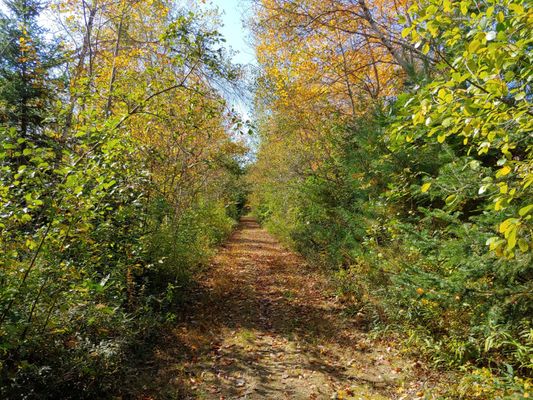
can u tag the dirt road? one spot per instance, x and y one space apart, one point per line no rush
262 324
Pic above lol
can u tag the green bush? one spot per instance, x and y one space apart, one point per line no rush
404 257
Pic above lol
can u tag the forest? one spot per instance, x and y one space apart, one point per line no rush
375 211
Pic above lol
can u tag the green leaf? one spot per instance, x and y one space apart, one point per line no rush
495 242
474 46
523 245
525 210
450 199
447 122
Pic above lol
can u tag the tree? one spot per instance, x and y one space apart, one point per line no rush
480 103
28 69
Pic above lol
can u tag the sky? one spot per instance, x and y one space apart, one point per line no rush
237 36
233 14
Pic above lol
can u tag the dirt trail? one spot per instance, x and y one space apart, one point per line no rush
264 325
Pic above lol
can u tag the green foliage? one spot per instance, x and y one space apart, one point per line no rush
66 241
405 203
178 243
192 42
483 383
406 258
101 228
480 102
29 76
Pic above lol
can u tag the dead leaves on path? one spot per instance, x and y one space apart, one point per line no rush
261 325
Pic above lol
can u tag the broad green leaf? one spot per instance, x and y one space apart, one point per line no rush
523 245
525 210
474 46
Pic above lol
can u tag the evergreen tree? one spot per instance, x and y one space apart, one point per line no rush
28 63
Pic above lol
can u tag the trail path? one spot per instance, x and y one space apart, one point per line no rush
264 325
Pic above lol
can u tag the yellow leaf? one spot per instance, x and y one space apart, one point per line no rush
473 46
505 170
504 188
425 187
505 225
511 240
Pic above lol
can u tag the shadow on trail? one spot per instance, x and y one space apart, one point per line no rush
259 312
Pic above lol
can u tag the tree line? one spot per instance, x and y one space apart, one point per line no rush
119 173
396 151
